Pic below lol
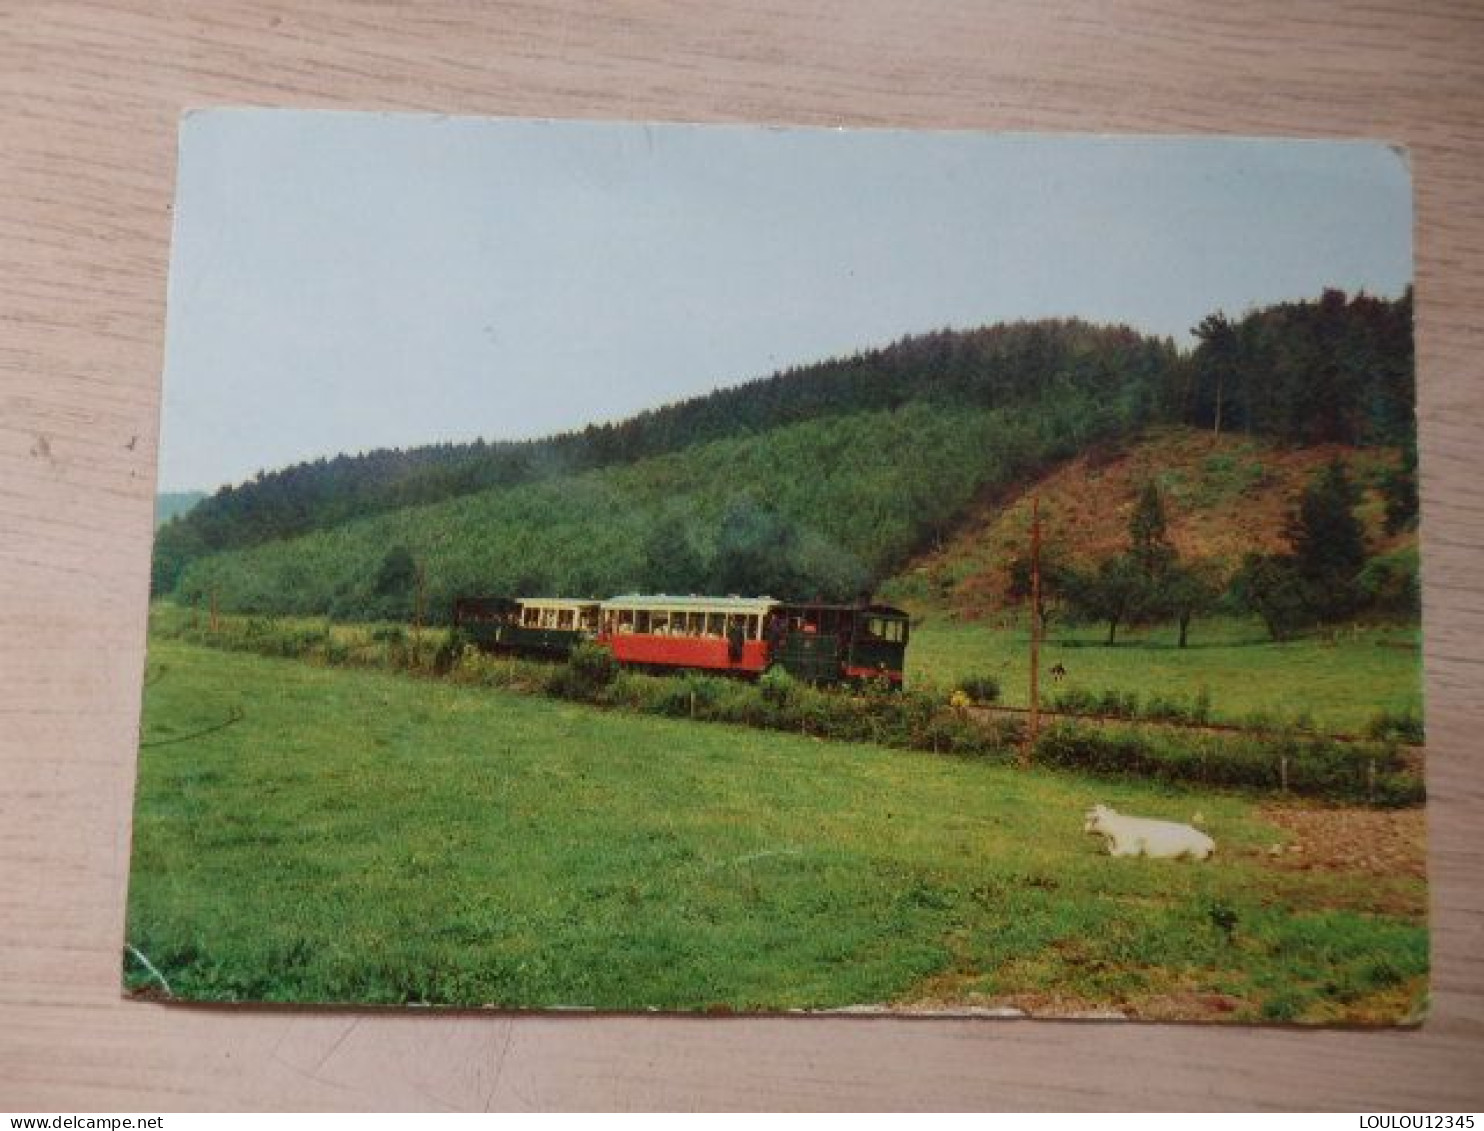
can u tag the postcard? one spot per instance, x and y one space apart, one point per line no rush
637 567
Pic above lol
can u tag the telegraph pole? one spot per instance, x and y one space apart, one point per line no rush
1035 720
417 616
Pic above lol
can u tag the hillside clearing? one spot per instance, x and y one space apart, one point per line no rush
1224 497
366 837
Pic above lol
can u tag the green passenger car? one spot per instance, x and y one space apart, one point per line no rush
531 626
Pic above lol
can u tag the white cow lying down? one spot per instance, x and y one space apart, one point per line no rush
1141 836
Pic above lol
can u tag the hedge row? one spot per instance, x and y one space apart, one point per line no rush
1307 765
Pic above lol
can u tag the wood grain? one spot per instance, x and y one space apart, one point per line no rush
90 95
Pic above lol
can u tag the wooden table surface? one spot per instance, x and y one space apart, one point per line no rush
90 95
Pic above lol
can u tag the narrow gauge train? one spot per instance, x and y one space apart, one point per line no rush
818 643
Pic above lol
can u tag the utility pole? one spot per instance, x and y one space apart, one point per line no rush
417 616
1035 720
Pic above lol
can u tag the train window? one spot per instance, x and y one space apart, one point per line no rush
564 618
892 631
659 623
715 624
641 621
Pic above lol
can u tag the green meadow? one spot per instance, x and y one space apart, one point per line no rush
1338 681
368 837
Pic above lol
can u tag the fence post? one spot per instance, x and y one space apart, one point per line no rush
1370 780
1283 772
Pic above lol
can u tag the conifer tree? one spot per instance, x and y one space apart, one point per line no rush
1329 543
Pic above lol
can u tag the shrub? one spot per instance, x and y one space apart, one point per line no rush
1075 701
588 671
450 647
1397 726
593 664
1389 583
1168 709
691 694
777 687
1118 705
980 688
1201 710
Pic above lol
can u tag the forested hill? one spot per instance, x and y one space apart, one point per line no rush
1334 368
991 366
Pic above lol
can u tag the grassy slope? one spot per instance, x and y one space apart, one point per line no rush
361 837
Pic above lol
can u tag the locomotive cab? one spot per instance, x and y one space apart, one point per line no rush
826 643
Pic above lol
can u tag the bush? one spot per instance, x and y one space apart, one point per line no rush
777 687
450 647
1397 726
1390 585
1201 710
690 695
1118 705
1075 701
593 664
588 671
980 688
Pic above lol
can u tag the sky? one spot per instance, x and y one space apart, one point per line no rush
346 281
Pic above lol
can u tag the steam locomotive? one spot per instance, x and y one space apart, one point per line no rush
745 636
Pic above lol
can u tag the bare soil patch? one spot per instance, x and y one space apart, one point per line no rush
1379 842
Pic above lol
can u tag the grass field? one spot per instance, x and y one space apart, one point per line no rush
1339 681
365 837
